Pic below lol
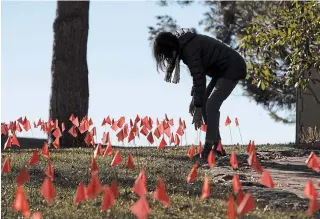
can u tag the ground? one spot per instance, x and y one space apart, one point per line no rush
71 166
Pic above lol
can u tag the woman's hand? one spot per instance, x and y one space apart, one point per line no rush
197 118
191 107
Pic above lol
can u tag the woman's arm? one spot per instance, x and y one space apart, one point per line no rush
194 63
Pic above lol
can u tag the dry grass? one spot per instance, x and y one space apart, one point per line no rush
171 164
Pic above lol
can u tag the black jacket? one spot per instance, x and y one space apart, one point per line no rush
205 55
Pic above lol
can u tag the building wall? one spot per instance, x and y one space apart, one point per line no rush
307 109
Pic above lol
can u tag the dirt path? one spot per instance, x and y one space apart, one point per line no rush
289 173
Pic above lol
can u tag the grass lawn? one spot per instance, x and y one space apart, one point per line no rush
71 166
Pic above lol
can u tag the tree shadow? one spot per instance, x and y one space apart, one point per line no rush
301 170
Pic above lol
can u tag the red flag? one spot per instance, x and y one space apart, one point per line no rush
211 159
141 208
20 202
114 188
94 166
22 177
228 121
94 188
150 138
247 204
310 191
313 207
266 179
116 159
45 150
205 188
236 121
130 163
233 160
162 144
48 191
108 199
6 166
49 171
203 127
313 162
35 158
80 194
140 184
231 208
108 150
160 193
236 183
193 173
191 151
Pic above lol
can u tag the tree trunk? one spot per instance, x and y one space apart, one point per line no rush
69 69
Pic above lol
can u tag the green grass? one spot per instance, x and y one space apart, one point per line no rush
171 164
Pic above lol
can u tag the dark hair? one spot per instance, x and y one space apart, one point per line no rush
164 44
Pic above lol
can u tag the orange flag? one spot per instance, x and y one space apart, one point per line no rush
45 150
20 202
141 208
48 191
94 166
313 207
233 160
310 191
35 158
108 199
94 188
108 150
117 159
130 163
211 159
162 144
80 194
191 151
247 204
160 193
266 179
22 177
49 171
6 166
236 183
313 162
114 188
193 173
205 188
228 121
231 208
140 184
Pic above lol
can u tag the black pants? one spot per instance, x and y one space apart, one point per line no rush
217 91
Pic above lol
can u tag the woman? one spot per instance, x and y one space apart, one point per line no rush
204 56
